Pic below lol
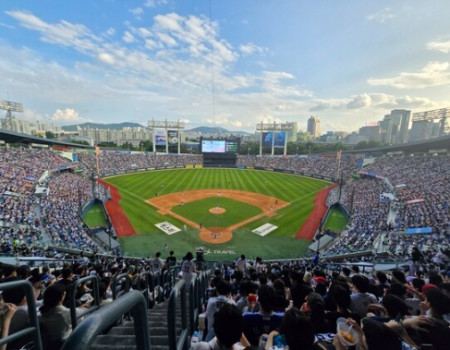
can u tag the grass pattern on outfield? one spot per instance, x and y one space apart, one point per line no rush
95 217
136 188
198 211
336 221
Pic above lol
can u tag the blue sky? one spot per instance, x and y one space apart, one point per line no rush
232 63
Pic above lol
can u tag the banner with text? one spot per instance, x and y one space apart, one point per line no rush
265 229
172 136
160 137
167 228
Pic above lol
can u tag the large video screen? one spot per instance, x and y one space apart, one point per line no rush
220 146
213 146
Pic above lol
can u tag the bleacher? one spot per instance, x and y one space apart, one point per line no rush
161 312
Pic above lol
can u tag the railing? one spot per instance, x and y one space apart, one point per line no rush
144 285
33 327
117 280
178 292
74 315
193 304
86 332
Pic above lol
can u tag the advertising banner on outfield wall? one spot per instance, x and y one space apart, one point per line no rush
160 137
172 136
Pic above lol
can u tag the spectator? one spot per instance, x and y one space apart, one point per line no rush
7 313
55 317
228 327
296 330
264 321
171 260
223 296
360 299
189 269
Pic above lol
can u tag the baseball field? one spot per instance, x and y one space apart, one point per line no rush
217 209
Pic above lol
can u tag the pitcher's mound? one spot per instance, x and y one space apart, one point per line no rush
217 210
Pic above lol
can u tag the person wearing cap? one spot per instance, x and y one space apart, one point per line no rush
360 297
264 321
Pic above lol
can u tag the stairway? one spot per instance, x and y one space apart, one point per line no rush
123 336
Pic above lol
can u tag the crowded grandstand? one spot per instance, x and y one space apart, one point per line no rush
389 267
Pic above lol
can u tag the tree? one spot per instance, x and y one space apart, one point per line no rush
50 135
249 147
79 142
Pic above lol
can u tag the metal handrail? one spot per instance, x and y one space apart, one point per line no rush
193 304
84 335
178 291
73 303
144 285
116 282
33 327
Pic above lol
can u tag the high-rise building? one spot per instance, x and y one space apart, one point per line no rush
395 126
386 130
372 132
313 127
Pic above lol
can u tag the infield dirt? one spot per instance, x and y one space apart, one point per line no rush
217 235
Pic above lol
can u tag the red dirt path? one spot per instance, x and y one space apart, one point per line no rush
119 220
312 223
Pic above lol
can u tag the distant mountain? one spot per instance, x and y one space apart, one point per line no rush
214 130
116 126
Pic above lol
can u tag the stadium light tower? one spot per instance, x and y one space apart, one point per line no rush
10 107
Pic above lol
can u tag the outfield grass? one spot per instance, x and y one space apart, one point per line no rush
95 217
336 221
135 189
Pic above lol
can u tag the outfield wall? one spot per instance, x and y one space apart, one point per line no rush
192 166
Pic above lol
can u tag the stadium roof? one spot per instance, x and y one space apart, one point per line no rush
15 137
439 143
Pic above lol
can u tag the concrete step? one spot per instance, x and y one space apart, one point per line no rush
154 331
116 340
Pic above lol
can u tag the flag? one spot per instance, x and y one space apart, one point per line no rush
97 150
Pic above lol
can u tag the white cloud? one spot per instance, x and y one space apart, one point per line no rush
359 101
275 83
167 39
154 3
110 32
106 58
224 121
128 37
138 11
381 16
433 74
67 114
373 101
442 46
63 33
250 48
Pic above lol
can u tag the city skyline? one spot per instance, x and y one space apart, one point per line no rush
232 64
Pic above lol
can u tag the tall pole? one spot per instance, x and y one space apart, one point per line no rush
97 155
273 139
261 140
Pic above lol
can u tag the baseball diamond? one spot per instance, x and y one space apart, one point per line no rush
185 197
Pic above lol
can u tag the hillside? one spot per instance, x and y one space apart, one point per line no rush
115 126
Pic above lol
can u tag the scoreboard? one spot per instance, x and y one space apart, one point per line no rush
219 152
220 146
